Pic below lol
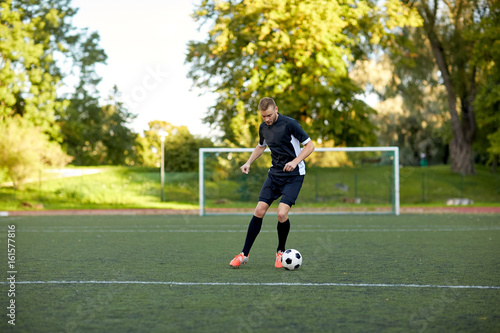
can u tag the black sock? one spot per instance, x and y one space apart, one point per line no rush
253 231
283 229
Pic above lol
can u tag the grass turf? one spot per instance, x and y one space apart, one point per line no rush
348 251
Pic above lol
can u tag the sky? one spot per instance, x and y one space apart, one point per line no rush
146 43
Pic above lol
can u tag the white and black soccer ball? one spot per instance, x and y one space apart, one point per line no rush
291 259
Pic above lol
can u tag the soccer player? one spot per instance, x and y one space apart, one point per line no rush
284 136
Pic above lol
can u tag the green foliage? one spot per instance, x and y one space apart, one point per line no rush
33 34
25 150
181 151
244 127
414 134
411 113
97 135
299 52
487 102
28 74
180 147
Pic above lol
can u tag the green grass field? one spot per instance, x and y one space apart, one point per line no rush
412 273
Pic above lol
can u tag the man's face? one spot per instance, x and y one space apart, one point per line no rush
270 115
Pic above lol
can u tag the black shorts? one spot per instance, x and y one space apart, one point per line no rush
287 188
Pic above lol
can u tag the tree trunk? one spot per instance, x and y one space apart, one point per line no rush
461 157
463 131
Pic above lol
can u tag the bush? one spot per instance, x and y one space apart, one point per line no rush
25 150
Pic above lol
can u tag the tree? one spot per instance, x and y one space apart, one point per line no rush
33 34
486 54
451 28
299 52
411 112
181 147
181 150
95 134
117 137
83 122
28 74
25 150
438 67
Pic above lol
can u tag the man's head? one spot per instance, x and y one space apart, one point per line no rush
268 110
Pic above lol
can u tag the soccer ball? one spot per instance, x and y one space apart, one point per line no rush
291 259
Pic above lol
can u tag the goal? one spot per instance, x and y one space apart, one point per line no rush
355 180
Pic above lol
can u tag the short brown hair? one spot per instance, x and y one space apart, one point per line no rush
265 103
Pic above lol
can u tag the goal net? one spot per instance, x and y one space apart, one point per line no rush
356 180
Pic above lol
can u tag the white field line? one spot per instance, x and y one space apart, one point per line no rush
243 229
300 225
257 284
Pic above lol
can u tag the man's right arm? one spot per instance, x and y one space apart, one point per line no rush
245 168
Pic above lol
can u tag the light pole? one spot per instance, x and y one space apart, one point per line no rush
163 134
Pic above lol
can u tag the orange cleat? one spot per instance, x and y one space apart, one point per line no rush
278 263
238 260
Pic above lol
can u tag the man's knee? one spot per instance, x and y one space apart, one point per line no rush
282 216
261 209
283 210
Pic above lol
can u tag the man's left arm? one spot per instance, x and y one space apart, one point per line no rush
306 151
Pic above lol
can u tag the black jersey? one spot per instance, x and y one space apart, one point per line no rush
284 138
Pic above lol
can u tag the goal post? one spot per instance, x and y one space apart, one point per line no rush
343 180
